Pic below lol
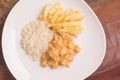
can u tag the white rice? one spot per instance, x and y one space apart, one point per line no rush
35 38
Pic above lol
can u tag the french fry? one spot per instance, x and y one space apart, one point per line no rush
70 16
40 17
45 12
63 15
67 21
56 15
67 24
53 10
80 18
73 28
73 12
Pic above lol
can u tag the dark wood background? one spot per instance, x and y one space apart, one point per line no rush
108 11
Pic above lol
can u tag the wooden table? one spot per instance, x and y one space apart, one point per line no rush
108 11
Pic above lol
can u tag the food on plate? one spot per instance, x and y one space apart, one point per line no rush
61 20
61 51
35 38
49 39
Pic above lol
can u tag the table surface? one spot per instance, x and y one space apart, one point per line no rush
108 11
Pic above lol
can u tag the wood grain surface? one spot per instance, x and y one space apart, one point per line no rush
108 11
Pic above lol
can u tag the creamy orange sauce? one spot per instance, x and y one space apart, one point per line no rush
61 51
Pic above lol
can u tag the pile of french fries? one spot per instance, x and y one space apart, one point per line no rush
62 20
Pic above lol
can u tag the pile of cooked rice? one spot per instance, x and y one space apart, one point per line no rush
35 38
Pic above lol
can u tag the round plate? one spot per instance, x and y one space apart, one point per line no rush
92 42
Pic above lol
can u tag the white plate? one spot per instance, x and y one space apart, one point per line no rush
91 40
